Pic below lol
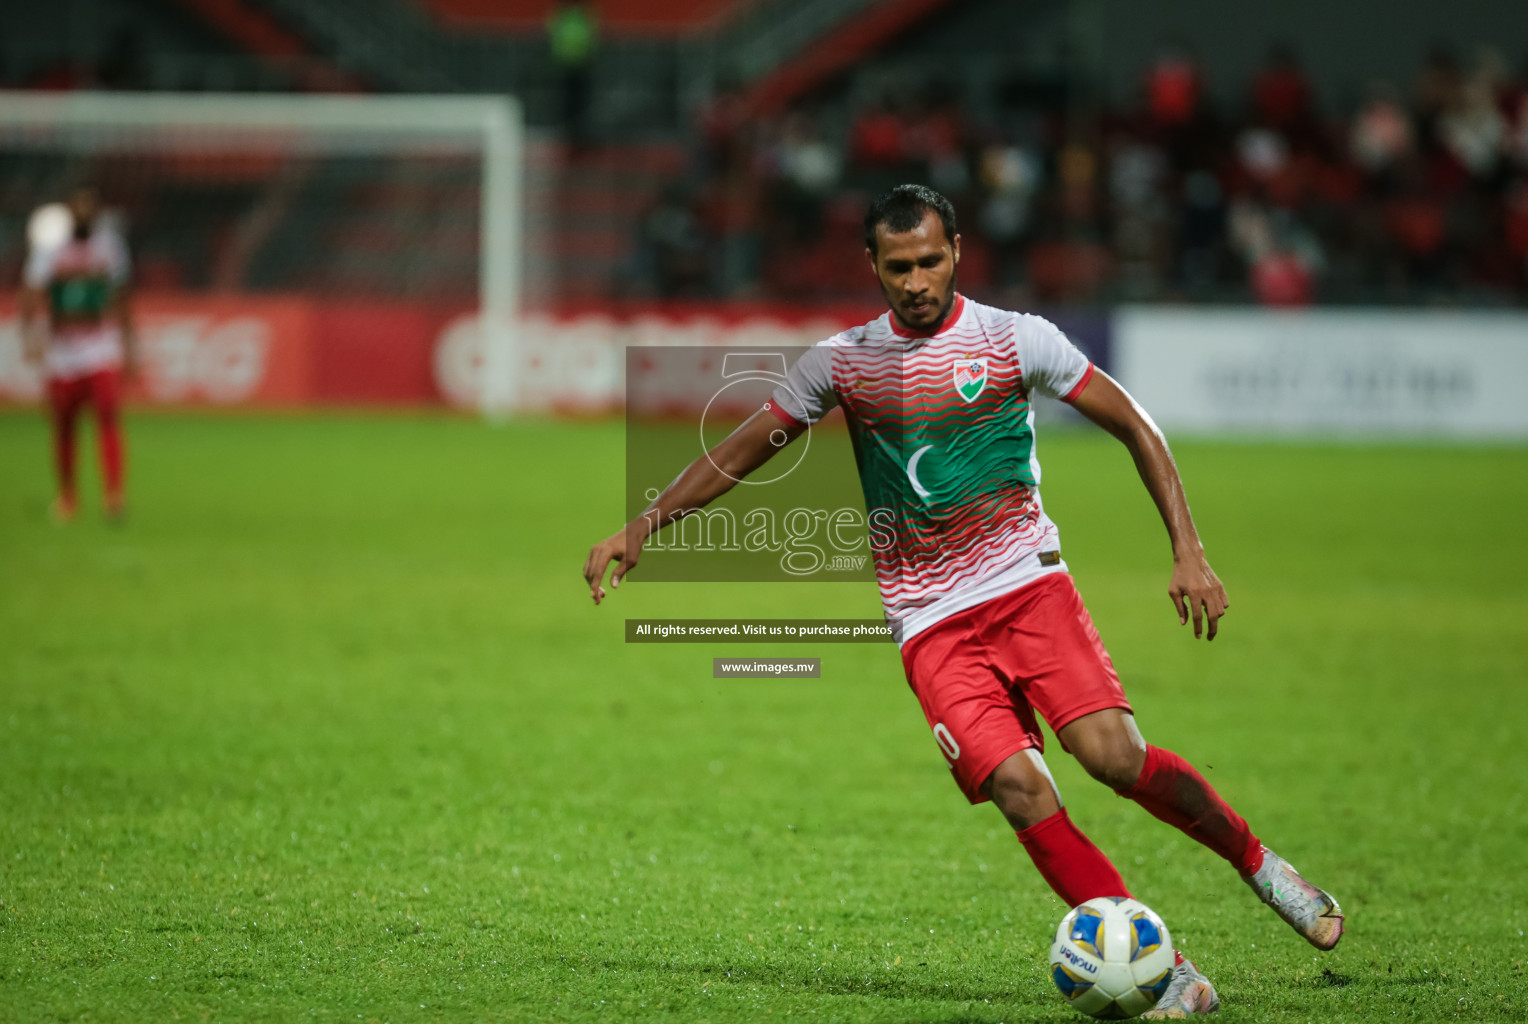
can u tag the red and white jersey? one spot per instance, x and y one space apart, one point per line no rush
80 279
943 433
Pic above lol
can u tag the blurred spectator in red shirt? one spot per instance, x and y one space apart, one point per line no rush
1517 224
1172 89
876 140
1281 279
1282 255
936 137
1416 220
1281 95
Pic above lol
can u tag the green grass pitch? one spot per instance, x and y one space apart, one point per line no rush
331 731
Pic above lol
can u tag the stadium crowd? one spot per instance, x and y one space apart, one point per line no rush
1417 195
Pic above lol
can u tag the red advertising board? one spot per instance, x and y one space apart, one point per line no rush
275 352
200 351
293 351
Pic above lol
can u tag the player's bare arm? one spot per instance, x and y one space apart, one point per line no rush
703 481
31 308
122 312
1195 589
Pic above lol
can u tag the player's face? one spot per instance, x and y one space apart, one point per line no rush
84 204
917 272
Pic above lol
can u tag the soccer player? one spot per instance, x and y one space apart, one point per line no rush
937 396
76 321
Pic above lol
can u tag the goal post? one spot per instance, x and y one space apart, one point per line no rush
85 126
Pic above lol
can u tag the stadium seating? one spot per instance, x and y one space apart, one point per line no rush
673 16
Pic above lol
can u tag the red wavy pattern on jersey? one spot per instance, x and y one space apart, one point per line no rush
924 404
901 600
920 386
932 358
928 564
928 381
918 537
906 575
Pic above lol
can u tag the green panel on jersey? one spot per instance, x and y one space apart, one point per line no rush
951 467
80 298
948 462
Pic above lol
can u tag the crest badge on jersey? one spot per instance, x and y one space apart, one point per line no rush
970 377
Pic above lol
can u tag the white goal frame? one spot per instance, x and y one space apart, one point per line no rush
492 126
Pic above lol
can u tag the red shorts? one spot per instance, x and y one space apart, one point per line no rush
982 674
103 389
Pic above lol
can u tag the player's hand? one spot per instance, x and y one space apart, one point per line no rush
34 345
623 547
1197 592
130 362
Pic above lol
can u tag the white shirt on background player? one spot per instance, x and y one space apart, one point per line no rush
89 346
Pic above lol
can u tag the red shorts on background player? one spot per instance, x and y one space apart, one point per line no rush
76 322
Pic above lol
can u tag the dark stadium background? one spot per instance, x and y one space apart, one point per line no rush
1097 152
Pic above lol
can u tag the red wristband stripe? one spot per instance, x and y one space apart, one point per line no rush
1071 396
782 415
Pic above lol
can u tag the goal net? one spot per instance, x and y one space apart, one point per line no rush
344 234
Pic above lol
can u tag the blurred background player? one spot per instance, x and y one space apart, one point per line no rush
77 323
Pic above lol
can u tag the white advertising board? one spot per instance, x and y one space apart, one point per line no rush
1357 373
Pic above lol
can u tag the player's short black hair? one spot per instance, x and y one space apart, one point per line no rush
903 208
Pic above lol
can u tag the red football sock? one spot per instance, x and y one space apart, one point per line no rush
106 394
1075 868
111 458
1171 789
63 444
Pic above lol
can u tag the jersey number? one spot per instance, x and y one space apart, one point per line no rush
946 742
